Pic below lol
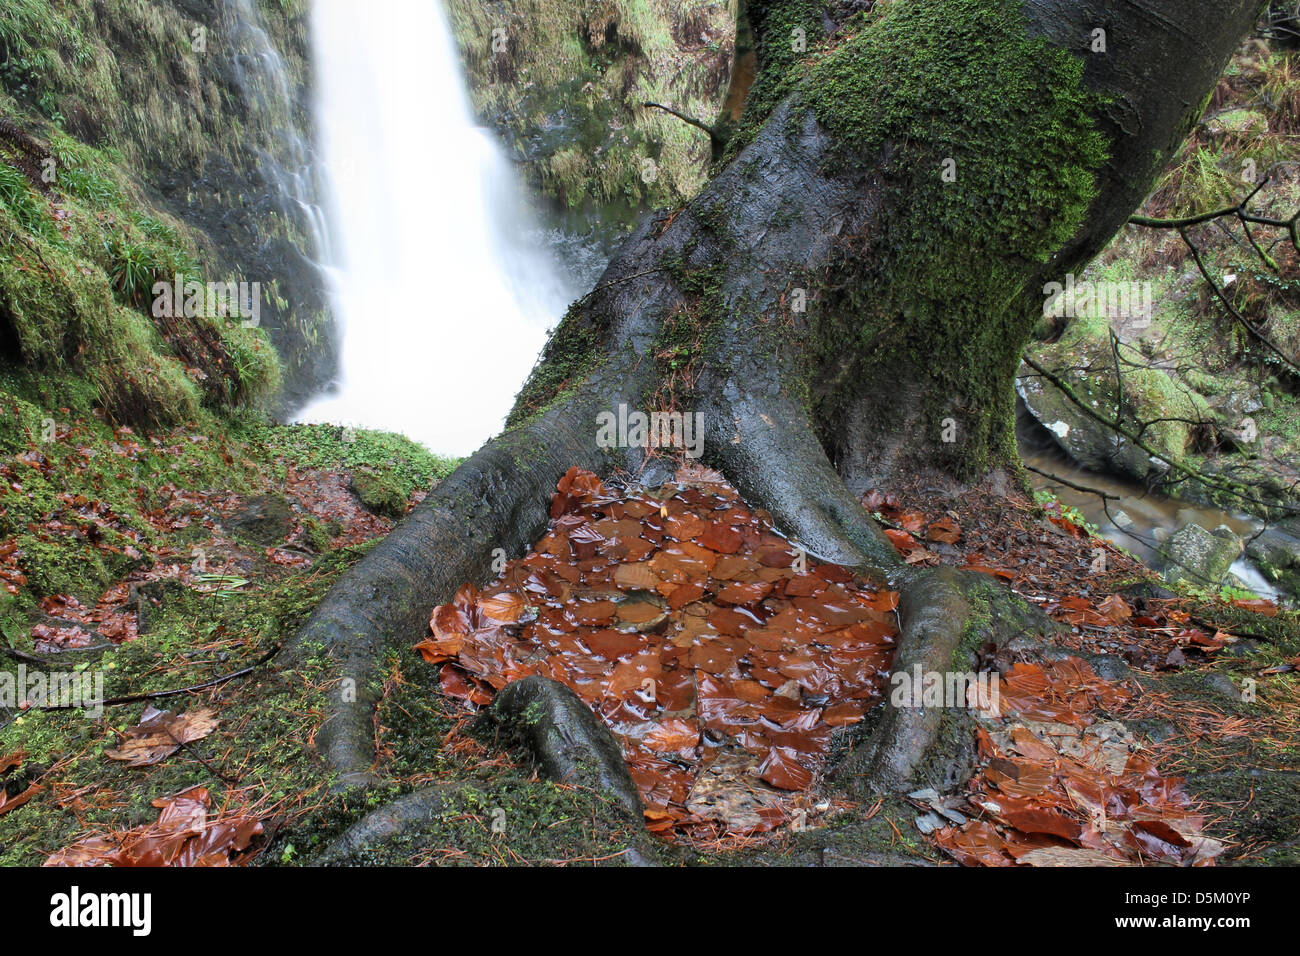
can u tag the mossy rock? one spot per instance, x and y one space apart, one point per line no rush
319 535
569 88
58 567
1148 401
265 521
380 493
1241 122
1199 556
1276 551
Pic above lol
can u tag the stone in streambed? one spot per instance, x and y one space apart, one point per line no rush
1198 556
1276 551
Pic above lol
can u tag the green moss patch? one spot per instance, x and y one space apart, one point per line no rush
963 229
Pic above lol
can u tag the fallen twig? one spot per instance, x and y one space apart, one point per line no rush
159 694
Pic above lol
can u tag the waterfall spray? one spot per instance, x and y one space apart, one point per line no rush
443 307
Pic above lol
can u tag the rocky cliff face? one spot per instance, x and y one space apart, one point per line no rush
565 83
201 107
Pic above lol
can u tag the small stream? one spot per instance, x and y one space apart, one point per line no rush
1140 519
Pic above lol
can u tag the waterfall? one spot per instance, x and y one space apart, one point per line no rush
443 304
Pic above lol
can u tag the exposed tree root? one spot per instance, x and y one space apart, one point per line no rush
374 836
377 828
556 731
562 736
496 499
948 616
765 446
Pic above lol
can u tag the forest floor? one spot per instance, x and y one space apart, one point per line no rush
172 564
182 559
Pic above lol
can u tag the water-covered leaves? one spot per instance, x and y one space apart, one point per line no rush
722 656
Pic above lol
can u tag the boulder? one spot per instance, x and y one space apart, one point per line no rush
1198 556
1084 439
266 520
1276 552
1153 401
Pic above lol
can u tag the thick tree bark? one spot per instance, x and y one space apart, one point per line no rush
854 289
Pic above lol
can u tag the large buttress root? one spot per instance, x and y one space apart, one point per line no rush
496 499
379 827
556 731
948 617
765 445
562 736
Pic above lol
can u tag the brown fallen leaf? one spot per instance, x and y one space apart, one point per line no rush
636 577
673 615
1115 610
8 803
673 735
505 608
161 733
782 770
1070 856
183 835
945 531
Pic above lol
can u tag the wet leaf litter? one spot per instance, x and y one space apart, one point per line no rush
721 655
725 659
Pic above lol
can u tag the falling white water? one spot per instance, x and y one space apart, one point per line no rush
444 307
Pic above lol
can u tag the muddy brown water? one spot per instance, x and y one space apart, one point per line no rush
1140 519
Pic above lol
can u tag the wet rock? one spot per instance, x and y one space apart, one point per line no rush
1198 556
265 520
1242 434
1155 731
1081 358
379 494
1110 667
1223 685
1085 440
1238 403
1276 551
1242 648
1239 583
656 473
1145 591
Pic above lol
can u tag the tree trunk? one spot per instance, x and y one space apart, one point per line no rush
846 303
